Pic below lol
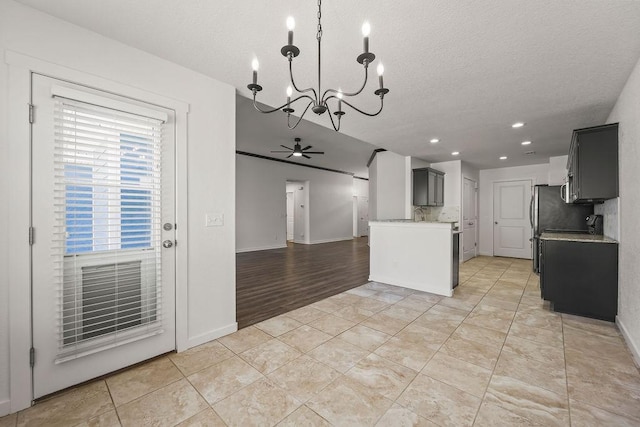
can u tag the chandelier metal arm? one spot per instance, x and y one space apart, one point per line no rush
280 107
293 83
366 77
299 118
364 112
336 128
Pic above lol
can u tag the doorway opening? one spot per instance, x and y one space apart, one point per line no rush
469 219
297 211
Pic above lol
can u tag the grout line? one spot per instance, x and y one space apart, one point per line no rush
566 371
493 370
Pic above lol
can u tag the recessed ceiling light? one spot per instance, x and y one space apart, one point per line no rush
434 141
525 142
503 157
455 153
517 125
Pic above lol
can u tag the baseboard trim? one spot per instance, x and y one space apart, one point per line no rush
5 407
411 285
339 239
481 253
211 335
633 346
262 248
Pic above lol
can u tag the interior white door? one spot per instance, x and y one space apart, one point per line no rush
363 216
290 216
469 219
104 218
511 227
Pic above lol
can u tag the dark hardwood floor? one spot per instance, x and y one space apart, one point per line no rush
272 282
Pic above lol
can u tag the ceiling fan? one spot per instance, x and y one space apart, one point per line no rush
297 151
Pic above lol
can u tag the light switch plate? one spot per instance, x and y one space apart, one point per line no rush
214 219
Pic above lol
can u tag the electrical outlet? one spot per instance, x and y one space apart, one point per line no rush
214 219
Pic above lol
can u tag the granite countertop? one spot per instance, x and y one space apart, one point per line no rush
577 237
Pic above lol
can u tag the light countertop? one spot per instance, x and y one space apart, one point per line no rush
411 223
577 237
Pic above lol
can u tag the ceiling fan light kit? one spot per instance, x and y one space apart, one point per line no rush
298 151
319 102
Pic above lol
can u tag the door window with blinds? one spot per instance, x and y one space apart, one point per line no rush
108 192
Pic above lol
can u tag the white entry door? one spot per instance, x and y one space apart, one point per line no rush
363 216
104 219
511 227
469 219
290 215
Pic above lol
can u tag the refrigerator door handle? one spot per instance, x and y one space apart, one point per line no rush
531 212
562 192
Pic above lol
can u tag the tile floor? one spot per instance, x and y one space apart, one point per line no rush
384 356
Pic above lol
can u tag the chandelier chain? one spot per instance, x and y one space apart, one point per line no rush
319 35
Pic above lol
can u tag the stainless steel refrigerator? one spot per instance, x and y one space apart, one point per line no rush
549 213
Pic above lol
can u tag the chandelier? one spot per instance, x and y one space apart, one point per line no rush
317 100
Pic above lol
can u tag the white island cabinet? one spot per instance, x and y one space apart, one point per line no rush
415 255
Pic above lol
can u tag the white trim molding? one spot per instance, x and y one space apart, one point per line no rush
5 407
337 239
633 346
261 248
212 335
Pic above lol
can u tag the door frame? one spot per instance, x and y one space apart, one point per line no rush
533 181
20 70
476 202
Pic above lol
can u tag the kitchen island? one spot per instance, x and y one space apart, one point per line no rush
413 254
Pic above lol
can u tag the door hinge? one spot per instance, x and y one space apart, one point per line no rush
32 357
31 113
31 236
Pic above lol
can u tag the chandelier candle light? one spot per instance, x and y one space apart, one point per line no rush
319 104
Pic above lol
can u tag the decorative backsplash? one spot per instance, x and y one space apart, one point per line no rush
441 213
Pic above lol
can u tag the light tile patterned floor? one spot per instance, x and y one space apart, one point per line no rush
386 356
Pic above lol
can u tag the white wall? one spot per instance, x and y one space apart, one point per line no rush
261 203
360 191
558 170
360 187
452 181
539 174
206 177
627 113
390 187
373 190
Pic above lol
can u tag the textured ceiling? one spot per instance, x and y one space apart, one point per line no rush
462 71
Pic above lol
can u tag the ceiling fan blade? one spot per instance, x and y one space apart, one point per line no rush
289 155
307 147
281 151
284 146
314 152
304 155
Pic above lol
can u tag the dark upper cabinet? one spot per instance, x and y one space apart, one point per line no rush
593 164
428 187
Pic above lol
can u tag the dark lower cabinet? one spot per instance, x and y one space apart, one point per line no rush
580 277
456 259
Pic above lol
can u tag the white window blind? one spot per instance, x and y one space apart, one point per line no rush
107 204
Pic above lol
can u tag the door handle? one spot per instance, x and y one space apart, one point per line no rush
167 244
496 222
